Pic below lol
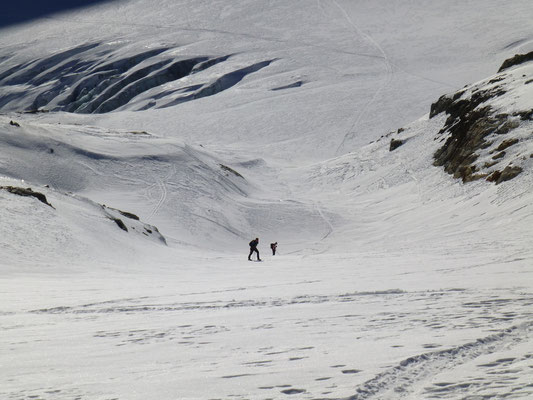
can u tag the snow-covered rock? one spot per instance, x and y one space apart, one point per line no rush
488 130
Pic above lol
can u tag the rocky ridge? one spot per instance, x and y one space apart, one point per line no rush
489 128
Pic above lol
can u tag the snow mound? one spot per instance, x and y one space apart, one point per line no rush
162 180
50 228
195 196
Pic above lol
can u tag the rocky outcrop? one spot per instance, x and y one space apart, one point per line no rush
469 129
475 125
125 213
27 192
516 60
120 223
395 143
507 174
132 224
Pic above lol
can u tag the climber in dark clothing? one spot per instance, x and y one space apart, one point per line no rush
274 246
253 247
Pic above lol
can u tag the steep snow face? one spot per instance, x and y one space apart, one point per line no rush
350 64
99 78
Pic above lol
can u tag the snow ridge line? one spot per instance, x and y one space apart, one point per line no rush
399 381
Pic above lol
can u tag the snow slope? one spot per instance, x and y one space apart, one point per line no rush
202 124
354 65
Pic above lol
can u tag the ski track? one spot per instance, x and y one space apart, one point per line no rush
432 309
161 183
318 207
399 381
493 324
388 79
447 85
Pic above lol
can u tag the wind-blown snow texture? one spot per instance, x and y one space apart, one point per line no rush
165 137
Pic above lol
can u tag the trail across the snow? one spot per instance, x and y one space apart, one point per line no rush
250 341
389 75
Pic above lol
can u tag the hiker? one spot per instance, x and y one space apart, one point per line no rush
253 247
273 246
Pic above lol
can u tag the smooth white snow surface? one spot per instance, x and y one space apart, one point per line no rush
393 280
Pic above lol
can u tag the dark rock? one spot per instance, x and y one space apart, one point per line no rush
508 173
124 213
441 105
497 79
466 173
499 155
293 391
228 169
13 123
525 115
507 126
395 143
469 123
468 132
490 164
476 177
27 192
129 215
351 371
120 224
516 60
494 176
506 143
481 96
486 145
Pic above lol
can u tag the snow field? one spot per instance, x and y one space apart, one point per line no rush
393 280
